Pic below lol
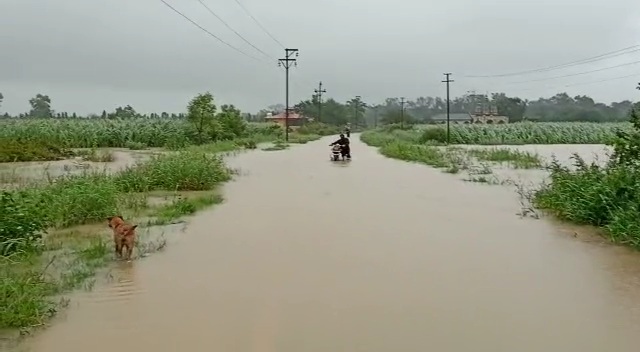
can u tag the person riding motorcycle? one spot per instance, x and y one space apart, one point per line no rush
343 142
347 130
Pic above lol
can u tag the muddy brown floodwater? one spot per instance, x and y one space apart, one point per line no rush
372 255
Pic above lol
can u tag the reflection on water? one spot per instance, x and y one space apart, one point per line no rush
374 255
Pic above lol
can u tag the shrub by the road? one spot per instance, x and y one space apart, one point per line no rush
605 196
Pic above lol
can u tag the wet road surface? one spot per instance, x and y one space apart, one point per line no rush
372 255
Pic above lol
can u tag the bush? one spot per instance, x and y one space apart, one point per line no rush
437 134
12 150
19 229
91 197
182 171
607 196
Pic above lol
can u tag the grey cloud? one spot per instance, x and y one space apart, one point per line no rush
91 55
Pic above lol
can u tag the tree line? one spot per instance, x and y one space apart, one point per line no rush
560 107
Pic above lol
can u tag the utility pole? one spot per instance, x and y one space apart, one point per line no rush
319 92
355 113
287 62
402 113
447 81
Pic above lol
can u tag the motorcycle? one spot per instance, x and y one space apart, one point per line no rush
338 153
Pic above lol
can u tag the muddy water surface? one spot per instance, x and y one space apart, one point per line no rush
372 255
21 173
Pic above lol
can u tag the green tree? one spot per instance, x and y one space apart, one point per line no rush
201 112
356 109
40 106
231 121
513 108
1 99
396 117
308 108
126 112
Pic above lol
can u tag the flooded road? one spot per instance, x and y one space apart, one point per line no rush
372 255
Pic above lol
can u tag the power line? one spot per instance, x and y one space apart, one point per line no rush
209 33
603 80
579 73
233 30
258 23
600 57
573 84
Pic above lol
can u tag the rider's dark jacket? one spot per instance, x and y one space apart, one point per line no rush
344 141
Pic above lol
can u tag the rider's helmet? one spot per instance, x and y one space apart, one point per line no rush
341 135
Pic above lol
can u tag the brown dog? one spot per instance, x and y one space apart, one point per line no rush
124 235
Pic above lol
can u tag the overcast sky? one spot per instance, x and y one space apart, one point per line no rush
90 55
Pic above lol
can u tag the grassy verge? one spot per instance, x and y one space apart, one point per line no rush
604 196
453 159
278 145
54 236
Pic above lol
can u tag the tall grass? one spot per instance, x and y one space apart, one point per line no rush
28 214
605 196
514 134
77 133
51 139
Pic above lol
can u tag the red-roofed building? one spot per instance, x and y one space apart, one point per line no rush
295 119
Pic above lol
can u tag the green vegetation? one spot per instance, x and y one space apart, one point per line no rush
103 156
456 159
54 235
504 134
604 196
558 108
52 139
517 159
36 217
12 150
278 145
409 145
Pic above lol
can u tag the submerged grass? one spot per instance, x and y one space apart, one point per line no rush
515 158
456 159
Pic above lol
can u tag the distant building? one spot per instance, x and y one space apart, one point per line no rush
482 114
295 119
454 118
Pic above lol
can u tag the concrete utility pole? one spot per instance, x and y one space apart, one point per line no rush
402 113
355 115
286 63
447 81
319 92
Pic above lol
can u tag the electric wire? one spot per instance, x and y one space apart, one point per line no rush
258 23
233 30
208 32
596 58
